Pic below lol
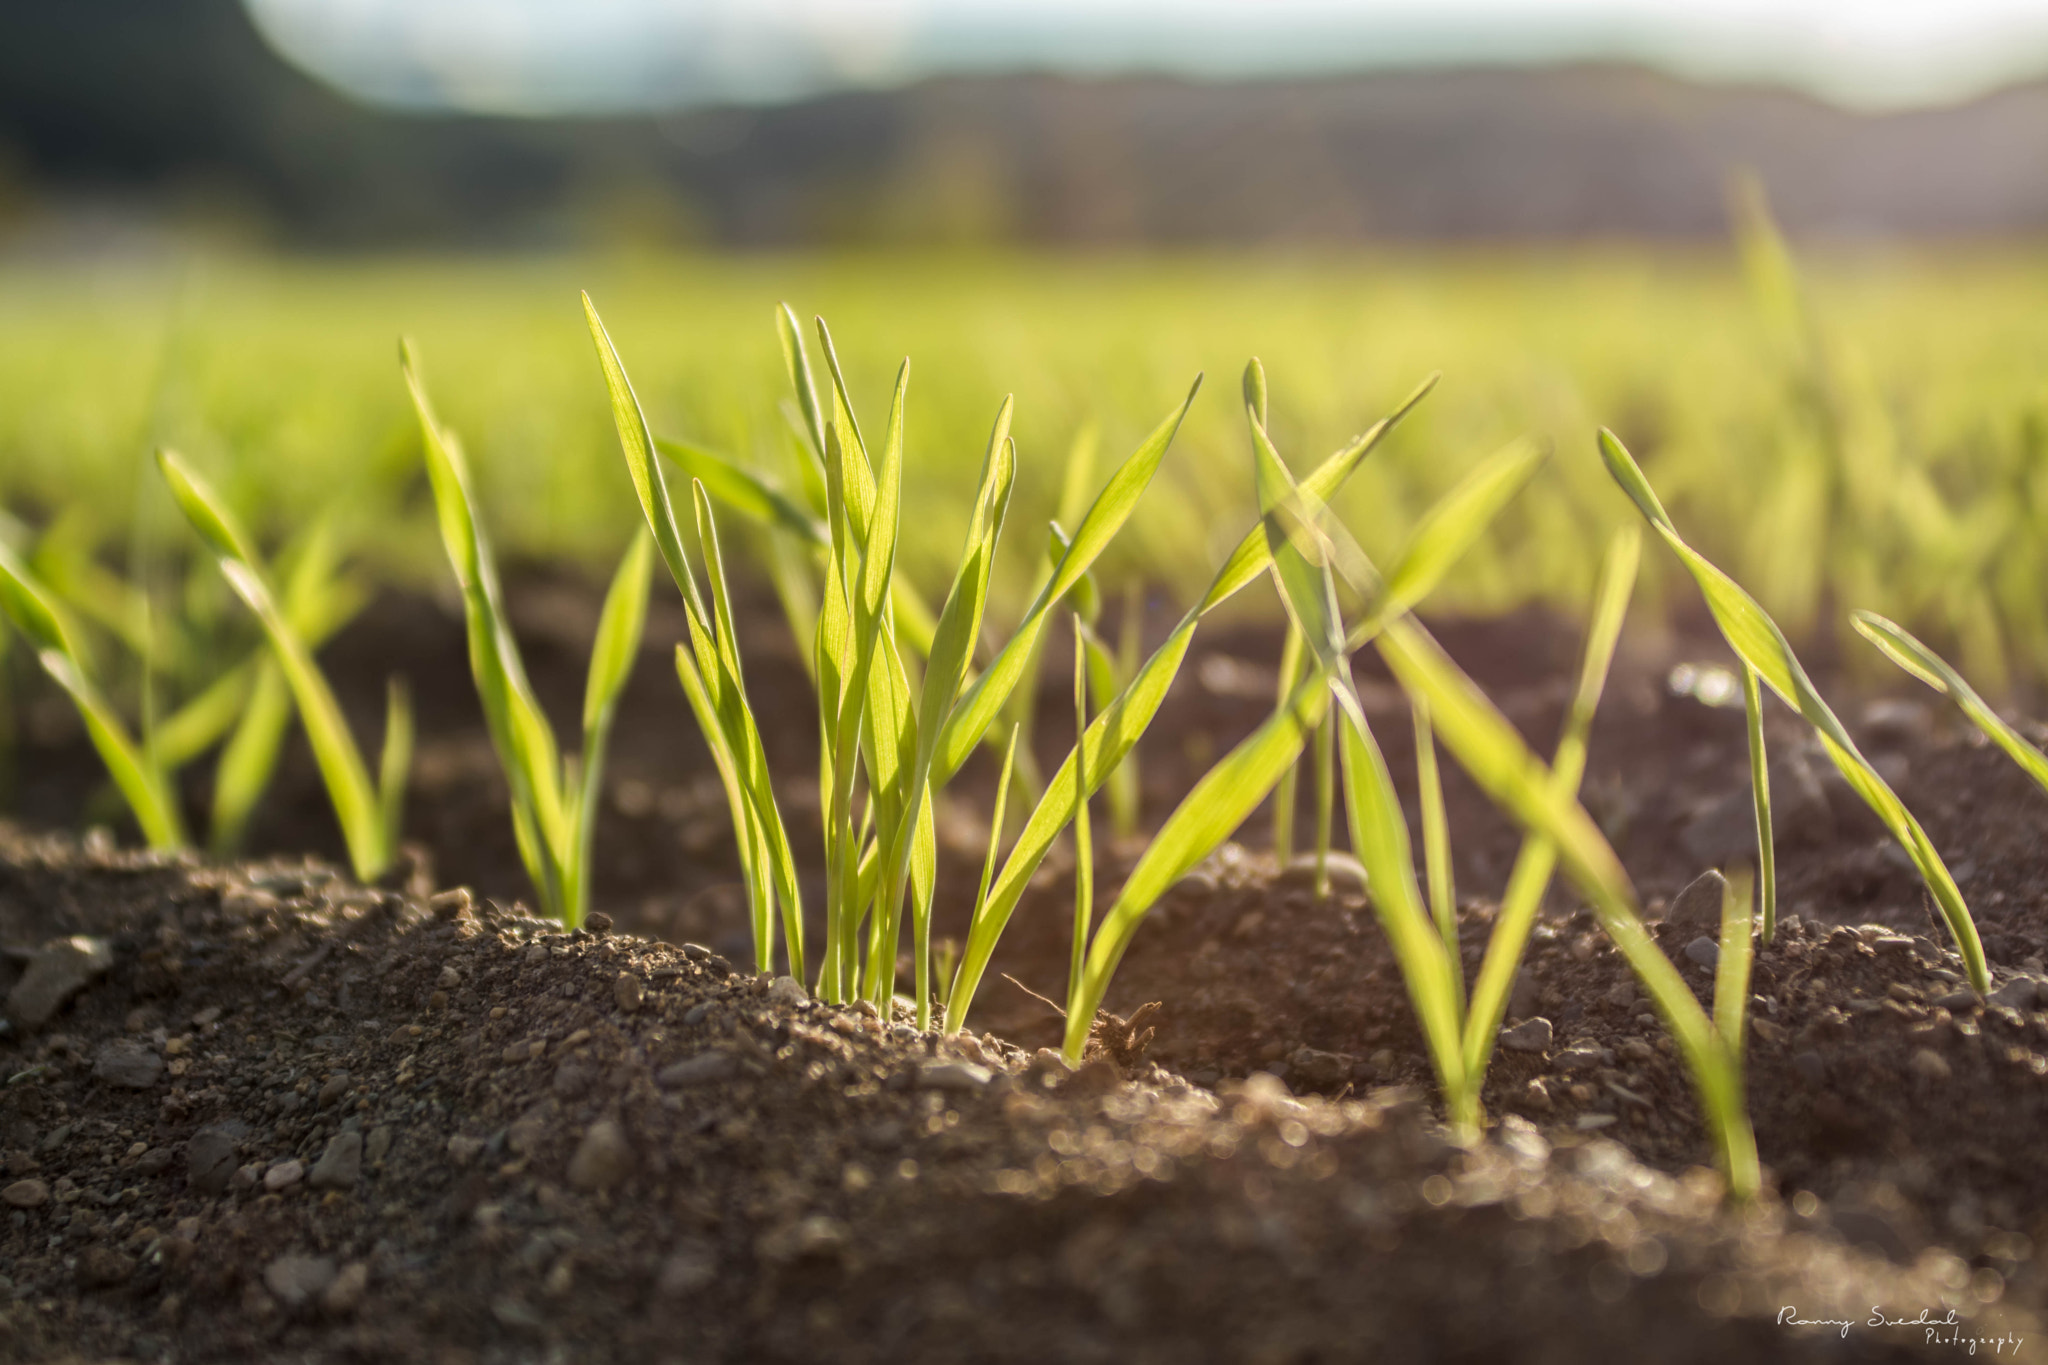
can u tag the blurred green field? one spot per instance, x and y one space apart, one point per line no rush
1887 447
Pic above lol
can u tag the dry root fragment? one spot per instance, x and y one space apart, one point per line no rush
1123 1041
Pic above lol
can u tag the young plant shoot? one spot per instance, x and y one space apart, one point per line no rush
554 797
1764 650
369 813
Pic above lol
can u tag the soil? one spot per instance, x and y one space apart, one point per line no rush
1263 1180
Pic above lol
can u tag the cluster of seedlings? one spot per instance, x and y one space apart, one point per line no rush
906 695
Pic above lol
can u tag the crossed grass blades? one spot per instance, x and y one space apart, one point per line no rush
1767 656
1305 550
852 634
369 813
245 709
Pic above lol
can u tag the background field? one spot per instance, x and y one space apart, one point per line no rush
1882 448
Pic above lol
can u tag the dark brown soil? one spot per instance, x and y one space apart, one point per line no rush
763 1216
298 1121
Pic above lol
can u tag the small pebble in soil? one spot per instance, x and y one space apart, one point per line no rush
2020 993
340 1164
702 1069
297 1279
1531 1035
1931 1064
788 992
1527 996
1697 910
462 1148
210 1160
964 1076
59 969
130 1065
103 1267
346 1291
1704 951
26 1194
628 991
284 1175
603 1158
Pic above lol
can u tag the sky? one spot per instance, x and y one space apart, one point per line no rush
555 57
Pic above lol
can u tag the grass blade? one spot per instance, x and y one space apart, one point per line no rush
1448 530
142 783
394 764
1379 836
1284 796
1084 851
1731 969
742 490
1903 649
1763 647
984 698
1436 844
1760 800
1537 860
619 627
1218 803
365 819
519 728
1326 800
1488 748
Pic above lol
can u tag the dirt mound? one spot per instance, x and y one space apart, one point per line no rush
271 1115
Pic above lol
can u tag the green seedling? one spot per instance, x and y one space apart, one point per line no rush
554 797
54 637
318 602
1764 650
1226 796
1902 648
248 705
369 813
1084 839
1110 736
1490 750
1731 968
887 748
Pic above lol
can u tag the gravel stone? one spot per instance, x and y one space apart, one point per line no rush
962 1076
628 991
340 1165
210 1160
1697 909
1931 1064
603 1158
2020 993
129 1064
788 992
1704 951
297 1280
58 970
702 1069
284 1175
346 1291
103 1267
1531 1035
26 1194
